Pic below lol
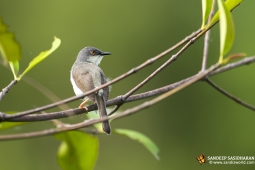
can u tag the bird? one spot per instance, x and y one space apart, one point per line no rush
87 75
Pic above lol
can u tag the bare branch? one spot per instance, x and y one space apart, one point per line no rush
45 91
245 61
170 60
173 58
114 109
6 89
207 38
239 101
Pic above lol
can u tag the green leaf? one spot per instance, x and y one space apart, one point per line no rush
56 43
8 125
78 150
147 142
9 47
230 4
3 27
206 9
15 68
226 30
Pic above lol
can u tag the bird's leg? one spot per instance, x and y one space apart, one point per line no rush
83 103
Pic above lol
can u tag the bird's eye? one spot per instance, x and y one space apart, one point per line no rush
93 52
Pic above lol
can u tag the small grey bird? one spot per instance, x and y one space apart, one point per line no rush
87 75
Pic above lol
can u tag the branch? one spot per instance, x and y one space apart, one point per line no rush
118 100
237 100
207 38
6 89
44 90
173 58
116 108
245 61
170 60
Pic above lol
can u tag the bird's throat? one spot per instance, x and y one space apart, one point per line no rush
95 59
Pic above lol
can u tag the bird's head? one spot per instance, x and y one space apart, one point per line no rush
92 55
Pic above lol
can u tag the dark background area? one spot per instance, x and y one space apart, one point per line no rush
194 121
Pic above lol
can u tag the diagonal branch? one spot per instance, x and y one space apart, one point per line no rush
170 60
173 58
44 90
237 100
245 61
207 38
6 89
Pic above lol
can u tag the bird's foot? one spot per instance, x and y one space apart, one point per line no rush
82 105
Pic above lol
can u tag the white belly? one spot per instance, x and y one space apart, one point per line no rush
77 91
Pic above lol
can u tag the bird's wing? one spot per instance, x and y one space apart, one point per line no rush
106 89
82 78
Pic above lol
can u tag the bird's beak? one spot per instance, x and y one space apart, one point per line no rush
105 53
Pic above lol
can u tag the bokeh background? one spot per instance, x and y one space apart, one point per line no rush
194 121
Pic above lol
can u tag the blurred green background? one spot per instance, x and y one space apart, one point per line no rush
194 121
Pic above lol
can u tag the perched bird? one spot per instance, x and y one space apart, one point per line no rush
87 75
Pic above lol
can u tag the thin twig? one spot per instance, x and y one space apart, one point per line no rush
114 109
118 100
6 89
132 71
45 91
245 61
207 39
237 100
170 60
173 58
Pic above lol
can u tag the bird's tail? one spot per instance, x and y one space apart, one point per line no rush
102 112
